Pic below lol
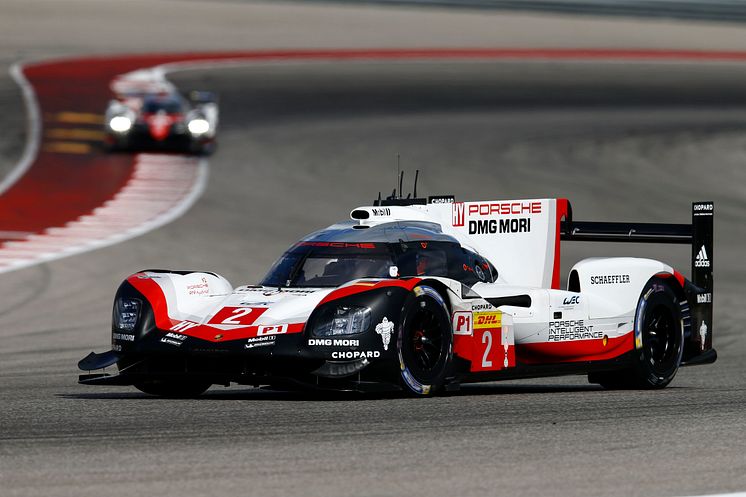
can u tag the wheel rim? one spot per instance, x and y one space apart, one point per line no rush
661 337
426 340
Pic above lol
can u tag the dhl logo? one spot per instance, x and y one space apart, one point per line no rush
487 320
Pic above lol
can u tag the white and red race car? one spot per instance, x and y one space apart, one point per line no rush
424 295
161 120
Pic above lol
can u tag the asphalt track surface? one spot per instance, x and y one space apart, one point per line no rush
300 145
712 10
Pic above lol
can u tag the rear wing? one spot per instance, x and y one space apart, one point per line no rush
698 234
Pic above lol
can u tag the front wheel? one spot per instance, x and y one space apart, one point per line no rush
659 342
425 342
202 149
173 388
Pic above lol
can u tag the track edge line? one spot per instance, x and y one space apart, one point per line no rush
33 128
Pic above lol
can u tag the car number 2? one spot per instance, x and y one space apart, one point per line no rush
487 339
237 314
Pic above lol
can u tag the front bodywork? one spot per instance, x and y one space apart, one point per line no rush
253 335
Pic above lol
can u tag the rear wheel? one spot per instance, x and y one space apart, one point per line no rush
659 342
424 342
173 388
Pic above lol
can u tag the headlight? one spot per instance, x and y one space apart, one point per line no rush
126 313
343 320
198 126
120 124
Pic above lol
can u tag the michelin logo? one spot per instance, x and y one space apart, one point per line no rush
385 328
703 335
702 260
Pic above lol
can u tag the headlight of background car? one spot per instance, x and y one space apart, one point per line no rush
342 320
126 313
198 126
120 124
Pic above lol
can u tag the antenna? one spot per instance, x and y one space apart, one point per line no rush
398 170
399 199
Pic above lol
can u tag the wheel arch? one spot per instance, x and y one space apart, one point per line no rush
675 280
445 292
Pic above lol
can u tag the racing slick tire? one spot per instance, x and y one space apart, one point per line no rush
173 388
659 337
424 342
202 149
110 146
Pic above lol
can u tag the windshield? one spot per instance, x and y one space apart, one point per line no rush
331 264
171 106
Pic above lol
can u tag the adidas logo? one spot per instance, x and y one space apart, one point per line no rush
701 260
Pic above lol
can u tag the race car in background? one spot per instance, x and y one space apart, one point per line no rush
162 120
423 295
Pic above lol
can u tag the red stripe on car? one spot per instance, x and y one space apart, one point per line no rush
574 351
361 287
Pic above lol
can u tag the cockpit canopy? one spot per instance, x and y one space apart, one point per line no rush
341 253
169 104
